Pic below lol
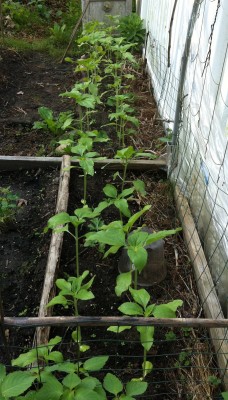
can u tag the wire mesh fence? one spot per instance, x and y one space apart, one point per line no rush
186 53
181 361
199 158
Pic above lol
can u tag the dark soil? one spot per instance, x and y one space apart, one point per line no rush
28 82
23 247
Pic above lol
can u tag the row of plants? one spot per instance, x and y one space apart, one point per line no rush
109 59
103 88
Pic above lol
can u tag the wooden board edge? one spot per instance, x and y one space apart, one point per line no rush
11 163
205 285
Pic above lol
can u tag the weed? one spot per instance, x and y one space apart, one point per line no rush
214 380
8 206
131 28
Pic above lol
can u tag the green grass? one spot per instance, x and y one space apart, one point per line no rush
41 45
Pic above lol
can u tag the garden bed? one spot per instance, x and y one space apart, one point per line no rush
19 113
31 80
24 248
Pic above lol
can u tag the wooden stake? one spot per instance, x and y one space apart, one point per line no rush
48 293
75 31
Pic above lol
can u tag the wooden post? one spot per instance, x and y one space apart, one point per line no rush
206 289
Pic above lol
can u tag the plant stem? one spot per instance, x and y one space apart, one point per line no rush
78 327
85 188
77 251
135 279
144 362
80 117
124 174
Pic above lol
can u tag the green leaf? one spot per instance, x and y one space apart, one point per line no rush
112 250
112 237
87 166
126 192
59 219
146 336
112 384
76 335
67 123
55 356
45 113
139 187
225 395
67 367
140 296
118 329
138 257
122 205
167 310
16 383
53 342
101 206
83 348
25 359
129 308
2 372
87 101
52 389
135 217
153 237
126 153
137 238
134 388
100 391
71 381
110 191
173 305
149 310
90 383
147 367
84 394
123 281
62 284
95 363
84 294
58 300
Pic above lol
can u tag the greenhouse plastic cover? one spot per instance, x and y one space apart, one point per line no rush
203 138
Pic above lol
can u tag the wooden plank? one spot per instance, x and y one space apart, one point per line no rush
10 322
206 289
42 334
9 163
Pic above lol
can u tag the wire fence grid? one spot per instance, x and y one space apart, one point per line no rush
198 163
183 358
191 93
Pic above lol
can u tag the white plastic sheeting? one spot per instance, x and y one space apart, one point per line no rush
202 170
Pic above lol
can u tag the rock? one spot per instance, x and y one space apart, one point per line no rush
155 270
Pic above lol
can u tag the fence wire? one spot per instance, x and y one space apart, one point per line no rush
199 160
183 359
